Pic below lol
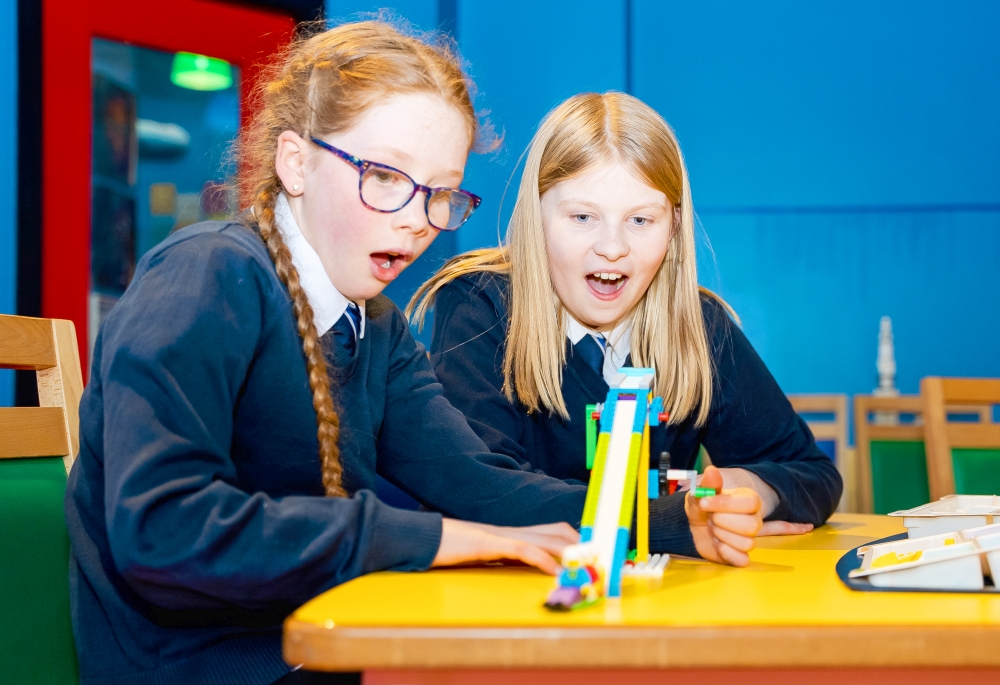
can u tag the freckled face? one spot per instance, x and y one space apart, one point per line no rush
606 235
363 250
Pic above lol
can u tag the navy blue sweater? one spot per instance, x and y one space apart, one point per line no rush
196 509
751 424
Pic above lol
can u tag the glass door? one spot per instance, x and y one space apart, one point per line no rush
162 127
140 106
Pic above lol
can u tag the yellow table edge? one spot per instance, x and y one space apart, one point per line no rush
788 610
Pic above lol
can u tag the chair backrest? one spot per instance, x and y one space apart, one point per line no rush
831 436
47 346
892 467
962 457
37 447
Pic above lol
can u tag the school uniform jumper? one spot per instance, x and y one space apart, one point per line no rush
196 509
751 424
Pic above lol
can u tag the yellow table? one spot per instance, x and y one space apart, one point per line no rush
784 616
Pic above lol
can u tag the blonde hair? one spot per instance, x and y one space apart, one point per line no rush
323 83
668 331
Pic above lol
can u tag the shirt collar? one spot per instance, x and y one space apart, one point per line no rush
328 304
618 345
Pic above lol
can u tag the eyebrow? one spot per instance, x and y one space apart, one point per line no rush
594 205
405 158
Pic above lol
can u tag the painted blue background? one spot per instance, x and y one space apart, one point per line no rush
844 156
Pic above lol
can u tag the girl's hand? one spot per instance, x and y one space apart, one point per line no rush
551 537
724 526
463 542
736 477
784 528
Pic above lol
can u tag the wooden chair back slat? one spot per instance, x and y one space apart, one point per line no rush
942 396
33 432
26 343
970 391
865 432
903 432
49 347
977 435
836 431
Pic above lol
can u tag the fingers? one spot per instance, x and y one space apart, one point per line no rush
552 545
462 543
712 478
739 542
560 531
557 532
531 555
784 528
736 501
747 525
731 556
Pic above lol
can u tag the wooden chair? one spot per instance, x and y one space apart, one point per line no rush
892 466
831 431
37 446
961 457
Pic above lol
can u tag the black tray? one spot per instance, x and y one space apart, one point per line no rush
851 561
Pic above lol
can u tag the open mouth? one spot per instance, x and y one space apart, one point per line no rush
387 265
606 284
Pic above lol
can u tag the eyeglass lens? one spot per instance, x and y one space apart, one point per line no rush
387 190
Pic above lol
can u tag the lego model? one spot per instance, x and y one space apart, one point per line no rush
618 457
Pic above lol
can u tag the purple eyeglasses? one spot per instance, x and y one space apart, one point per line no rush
385 189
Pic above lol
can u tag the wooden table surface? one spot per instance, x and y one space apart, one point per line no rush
787 609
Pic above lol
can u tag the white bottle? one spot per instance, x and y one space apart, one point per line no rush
885 363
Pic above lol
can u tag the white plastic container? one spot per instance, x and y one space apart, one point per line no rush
951 561
950 514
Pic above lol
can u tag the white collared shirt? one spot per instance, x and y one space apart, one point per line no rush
328 304
617 347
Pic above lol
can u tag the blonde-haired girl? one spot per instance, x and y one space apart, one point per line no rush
598 272
252 381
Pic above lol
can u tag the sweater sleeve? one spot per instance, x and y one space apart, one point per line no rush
174 354
467 349
423 437
753 426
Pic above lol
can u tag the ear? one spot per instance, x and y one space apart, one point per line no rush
289 162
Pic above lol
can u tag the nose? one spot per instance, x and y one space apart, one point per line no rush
612 243
413 217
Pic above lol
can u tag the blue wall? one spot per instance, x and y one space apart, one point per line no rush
8 170
845 160
845 163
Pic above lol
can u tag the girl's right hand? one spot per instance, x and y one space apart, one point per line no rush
724 526
463 542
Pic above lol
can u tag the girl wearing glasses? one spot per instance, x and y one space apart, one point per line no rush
252 381
598 272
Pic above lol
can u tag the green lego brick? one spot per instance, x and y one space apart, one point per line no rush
591 435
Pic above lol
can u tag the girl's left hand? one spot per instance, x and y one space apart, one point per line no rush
551 537
784 528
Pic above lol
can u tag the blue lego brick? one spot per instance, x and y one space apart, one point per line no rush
654 483
586 533
636 371
639 424
621 549
608 412
655 407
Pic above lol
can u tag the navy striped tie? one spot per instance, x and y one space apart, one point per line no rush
345 331
592 352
